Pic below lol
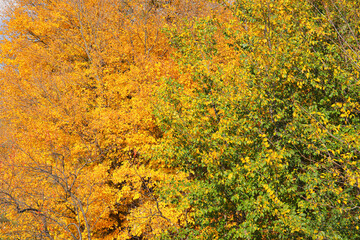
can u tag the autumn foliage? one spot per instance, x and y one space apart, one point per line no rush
152 119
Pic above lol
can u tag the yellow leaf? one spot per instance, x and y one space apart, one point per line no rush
136 196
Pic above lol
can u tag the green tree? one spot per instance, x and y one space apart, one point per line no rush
265 120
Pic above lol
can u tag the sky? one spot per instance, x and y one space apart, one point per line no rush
2 4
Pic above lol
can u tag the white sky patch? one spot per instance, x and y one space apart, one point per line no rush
2 6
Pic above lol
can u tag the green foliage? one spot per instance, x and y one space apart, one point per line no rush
265 120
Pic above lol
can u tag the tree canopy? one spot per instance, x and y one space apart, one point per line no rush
154 119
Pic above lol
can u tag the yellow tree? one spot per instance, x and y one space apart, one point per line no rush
55 181
77 80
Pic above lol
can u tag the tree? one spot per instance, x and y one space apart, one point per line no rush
76 89
265 120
